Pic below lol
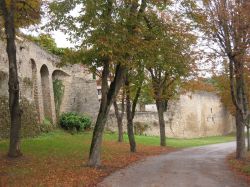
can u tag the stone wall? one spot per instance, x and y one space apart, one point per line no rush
30 127
37 69
78 96
193 115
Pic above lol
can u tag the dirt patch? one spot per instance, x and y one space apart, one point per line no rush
240 167
54 170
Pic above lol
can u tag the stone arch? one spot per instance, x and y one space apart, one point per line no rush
59 77
46 93
34 84
59 74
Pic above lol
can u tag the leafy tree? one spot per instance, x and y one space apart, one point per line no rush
172 60
108 34
221 82
225 23
15 14
101 26
48 43
28 12
199 84
133 85
146 96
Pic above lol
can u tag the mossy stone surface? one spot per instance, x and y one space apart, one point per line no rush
29 119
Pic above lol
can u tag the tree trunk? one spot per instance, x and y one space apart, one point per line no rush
119 118
238 97
248 139
95 149
160 109
108 95
240 136
14 107
120 130
130 125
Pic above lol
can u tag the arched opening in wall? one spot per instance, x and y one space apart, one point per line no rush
46 92
58 77
34 84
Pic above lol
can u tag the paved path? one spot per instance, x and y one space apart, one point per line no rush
193 167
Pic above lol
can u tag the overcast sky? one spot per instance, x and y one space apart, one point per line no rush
61 39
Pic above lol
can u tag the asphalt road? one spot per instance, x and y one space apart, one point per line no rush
193 167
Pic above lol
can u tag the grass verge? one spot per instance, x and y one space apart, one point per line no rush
177 143
240 167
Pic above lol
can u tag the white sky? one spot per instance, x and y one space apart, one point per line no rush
61 39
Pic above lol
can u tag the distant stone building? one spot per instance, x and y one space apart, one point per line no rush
37 70
197 114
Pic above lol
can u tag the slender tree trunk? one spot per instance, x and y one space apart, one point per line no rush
95 150
238 97
248 139
240 121
120 130
240 136
130 125
160 109
14 107
119 118
108 95
130 129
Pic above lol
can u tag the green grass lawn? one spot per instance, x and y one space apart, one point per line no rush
174 142
52 143
65 143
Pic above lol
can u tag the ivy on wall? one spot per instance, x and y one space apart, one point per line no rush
3 76
58 88
27 81
29 119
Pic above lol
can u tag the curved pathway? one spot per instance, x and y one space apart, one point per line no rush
193 167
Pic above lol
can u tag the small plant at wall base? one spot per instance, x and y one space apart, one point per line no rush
140 128
58 88
73 122
3 76
29 118
46 125
27 81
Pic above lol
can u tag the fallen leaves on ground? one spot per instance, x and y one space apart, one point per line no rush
53 170
240 167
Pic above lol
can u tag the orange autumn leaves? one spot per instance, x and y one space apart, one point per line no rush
54 170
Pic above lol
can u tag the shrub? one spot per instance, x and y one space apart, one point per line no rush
86 121
72 121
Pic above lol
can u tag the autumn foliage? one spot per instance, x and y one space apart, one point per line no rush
200 84
49 169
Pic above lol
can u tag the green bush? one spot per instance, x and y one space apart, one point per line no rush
86 121
72 121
